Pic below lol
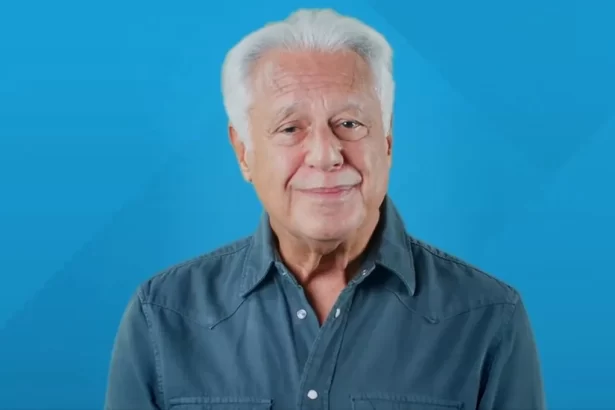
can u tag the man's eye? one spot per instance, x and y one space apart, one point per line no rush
289 130
350 124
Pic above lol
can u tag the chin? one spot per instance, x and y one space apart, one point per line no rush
330 226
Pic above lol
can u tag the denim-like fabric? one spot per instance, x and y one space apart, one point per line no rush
416 329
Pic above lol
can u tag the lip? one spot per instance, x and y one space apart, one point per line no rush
329 193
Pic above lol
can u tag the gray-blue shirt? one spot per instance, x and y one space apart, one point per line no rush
416 329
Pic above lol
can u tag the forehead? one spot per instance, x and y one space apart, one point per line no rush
305 75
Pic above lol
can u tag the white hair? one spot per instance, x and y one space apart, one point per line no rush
305 29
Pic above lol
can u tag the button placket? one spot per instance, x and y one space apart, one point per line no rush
320 367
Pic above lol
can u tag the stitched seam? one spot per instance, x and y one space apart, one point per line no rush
434 317
396 294
183 315
456 261
244 273
208 256
157 359
500 337
408 248
480 306
344 326
228 315
446 257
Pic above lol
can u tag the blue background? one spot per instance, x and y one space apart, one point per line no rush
114 164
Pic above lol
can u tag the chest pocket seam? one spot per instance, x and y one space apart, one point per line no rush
385 401
219 403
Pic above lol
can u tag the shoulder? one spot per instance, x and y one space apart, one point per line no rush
448 285
202 288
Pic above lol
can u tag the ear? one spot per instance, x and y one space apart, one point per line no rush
389 139
241 152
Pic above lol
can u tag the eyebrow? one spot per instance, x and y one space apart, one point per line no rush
353 104
287 110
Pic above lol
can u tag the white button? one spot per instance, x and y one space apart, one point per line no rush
312 394
364 273
301 313
337 312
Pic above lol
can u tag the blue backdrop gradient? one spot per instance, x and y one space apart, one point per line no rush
114 164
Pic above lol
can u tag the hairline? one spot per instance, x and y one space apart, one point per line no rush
243 59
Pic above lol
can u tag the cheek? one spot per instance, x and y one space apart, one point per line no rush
379 153
370 160
360 157
278 166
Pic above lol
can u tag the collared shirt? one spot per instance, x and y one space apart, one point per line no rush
416 329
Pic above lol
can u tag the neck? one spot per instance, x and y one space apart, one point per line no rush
311 259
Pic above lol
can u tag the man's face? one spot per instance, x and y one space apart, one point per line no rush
319 159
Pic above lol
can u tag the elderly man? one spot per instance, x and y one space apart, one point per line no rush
330 304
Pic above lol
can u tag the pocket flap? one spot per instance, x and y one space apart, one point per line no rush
384 401
220 403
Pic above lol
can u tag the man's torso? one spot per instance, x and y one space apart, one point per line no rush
234 330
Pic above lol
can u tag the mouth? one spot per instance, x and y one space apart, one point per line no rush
337 192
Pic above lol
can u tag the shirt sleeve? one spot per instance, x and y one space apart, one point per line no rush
132 379
514 380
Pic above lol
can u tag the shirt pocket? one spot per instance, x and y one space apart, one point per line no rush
219 403
385 401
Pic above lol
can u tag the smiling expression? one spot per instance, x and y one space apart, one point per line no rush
319 159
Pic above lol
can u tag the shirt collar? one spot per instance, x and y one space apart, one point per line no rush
389 249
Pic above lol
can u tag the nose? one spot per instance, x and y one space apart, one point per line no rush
324 150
